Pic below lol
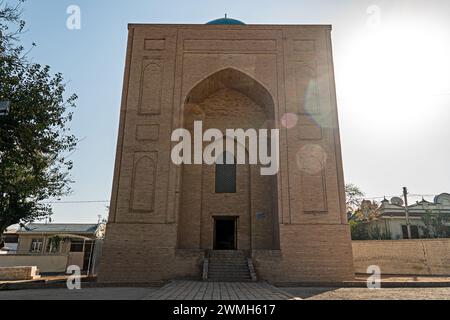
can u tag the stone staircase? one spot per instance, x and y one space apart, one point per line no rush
232 266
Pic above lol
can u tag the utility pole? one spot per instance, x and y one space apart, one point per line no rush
408 224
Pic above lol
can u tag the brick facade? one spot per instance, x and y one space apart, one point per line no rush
228 76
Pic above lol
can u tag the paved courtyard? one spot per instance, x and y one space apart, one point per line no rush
191 290
194 290
366 294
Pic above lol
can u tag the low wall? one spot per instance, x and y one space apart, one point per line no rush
18 273
403 257
45 264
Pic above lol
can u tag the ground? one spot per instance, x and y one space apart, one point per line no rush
181 290
366 294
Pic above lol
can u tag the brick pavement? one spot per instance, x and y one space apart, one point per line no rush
194 290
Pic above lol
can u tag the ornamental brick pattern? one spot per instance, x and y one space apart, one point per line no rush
293 225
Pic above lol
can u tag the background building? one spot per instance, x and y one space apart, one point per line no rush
391 220
54 247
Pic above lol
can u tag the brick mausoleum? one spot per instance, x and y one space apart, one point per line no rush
166 220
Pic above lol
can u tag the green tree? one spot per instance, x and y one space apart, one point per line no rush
435 224
366 212
359 230
375 233
34 137
353 198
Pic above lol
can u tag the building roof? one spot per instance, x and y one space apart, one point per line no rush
396 209
11 230
226 20
58 228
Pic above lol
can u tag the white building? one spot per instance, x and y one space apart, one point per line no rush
392 218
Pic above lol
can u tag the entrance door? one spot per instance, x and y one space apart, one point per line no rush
225 233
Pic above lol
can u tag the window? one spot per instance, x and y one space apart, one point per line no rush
76 246
53 245
226 174
36 245
414 232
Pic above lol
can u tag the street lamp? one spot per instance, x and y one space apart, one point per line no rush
4 107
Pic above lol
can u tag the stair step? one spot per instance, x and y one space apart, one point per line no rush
227 257
228 262
230 279
222 276
231 268
222 271
227 254
229 276
228 266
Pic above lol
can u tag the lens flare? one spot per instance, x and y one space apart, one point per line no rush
311 159
289 120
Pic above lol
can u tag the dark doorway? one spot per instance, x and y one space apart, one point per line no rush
225 233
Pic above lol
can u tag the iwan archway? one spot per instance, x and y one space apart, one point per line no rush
217 200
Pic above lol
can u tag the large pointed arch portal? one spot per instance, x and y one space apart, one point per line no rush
228 99
235 80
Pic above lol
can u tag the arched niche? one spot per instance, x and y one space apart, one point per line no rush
229 99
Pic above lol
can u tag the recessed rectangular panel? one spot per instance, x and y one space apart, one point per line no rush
230 45
151 87
154 44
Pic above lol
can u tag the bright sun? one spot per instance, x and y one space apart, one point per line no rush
397 69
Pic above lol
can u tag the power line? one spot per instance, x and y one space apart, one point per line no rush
367 198
107 201
391 196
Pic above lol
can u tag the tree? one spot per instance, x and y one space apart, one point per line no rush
368 210
360 226
34 137
360 213
435 224
359 230
353 196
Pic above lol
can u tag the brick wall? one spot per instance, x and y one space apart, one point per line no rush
407 257
145 253
307 256
18 273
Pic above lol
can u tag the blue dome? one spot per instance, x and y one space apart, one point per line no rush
225 21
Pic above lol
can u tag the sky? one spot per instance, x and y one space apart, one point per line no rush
392 76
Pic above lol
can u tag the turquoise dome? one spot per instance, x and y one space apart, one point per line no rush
225 21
